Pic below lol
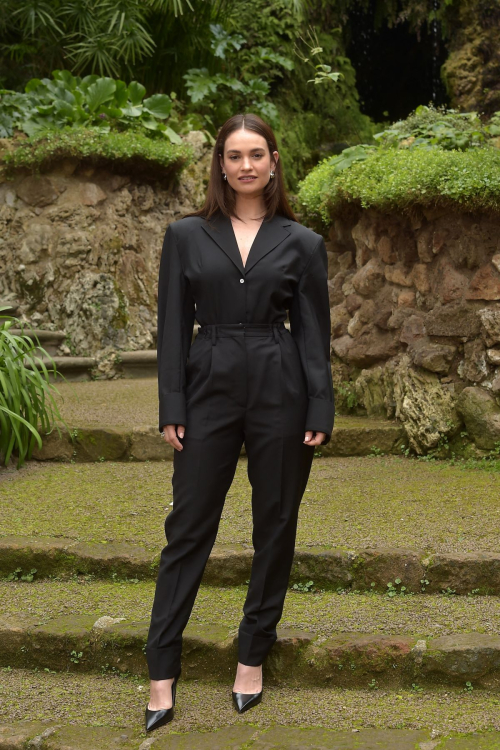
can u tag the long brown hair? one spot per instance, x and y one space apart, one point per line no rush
221 196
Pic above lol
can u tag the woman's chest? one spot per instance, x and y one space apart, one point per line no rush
244 237
207 265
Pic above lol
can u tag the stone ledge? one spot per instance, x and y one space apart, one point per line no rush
143 443
53 735
81 643
230 565
72 368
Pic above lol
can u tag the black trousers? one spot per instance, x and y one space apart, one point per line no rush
244 384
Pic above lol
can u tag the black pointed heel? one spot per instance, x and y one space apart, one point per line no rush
155 719
244 701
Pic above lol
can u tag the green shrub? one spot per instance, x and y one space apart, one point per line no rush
399 179
26 398
428 170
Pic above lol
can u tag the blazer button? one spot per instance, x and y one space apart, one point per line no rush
242 281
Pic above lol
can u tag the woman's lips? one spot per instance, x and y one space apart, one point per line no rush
246 179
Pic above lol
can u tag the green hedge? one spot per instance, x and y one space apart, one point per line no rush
389 179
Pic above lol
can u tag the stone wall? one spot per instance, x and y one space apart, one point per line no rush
416 321
80 249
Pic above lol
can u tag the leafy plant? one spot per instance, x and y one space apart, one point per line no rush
82 102
350 156
75 656
244 83
393 178
16 575
392 588
346 394
25 393
306 588
430 126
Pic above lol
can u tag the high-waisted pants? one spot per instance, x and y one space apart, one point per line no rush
244 384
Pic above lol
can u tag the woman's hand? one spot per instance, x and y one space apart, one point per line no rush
316 440
170 435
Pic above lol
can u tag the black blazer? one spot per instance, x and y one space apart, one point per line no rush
201 273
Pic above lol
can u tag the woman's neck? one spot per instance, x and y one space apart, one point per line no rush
250 209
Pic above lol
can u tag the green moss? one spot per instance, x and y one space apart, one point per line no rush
219 609
27 695
349 503
121 317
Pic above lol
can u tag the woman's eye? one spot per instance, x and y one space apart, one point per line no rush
237 157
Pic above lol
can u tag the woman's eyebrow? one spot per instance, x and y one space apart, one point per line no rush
236 151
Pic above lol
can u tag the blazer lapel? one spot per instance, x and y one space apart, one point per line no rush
270 234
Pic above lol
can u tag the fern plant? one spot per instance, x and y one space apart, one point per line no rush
26 395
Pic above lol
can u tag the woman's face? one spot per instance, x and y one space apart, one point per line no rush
246 155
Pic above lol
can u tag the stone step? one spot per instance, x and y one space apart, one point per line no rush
324 638
322 614
133 403
143 442
244 737
137 364
143 363
350 504
72 368
85 643
464 574
50 341
46 710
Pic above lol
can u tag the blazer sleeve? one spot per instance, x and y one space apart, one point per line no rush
176 313
310 327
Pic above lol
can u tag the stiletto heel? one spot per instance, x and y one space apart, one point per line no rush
244 701
155 719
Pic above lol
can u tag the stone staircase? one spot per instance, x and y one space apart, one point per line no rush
392 644
73 368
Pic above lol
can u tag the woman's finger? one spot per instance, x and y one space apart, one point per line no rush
314 438
171 435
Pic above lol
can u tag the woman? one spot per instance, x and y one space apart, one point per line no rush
244 261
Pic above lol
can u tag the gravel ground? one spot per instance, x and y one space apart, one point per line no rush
350 503
120 701
130 402
322 613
